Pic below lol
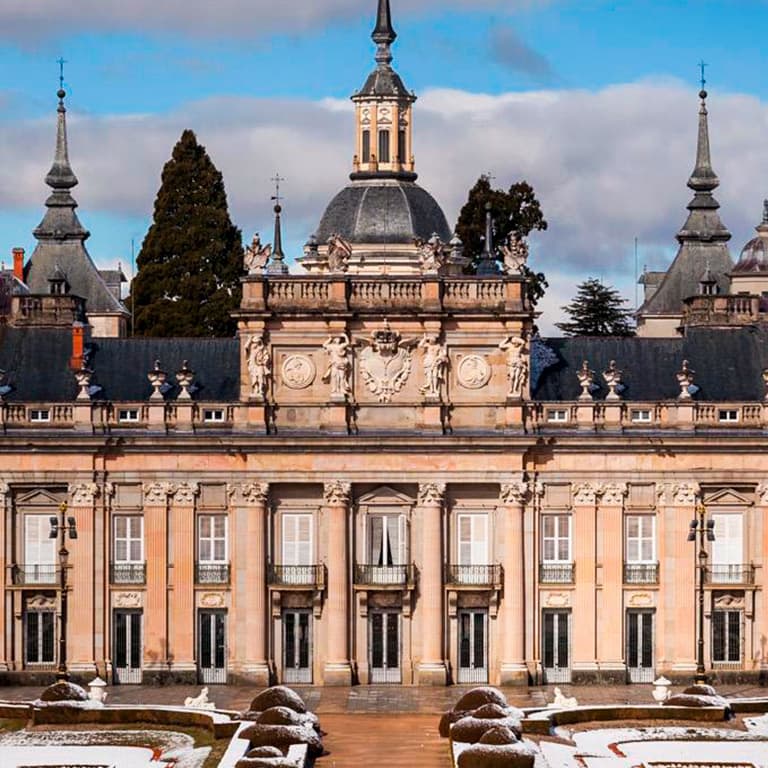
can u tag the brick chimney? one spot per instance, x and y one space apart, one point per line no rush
78 346
18 264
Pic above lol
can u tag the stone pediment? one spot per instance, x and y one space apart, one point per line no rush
38 498
384 496
727 497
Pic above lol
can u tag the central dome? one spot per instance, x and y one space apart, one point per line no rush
383 212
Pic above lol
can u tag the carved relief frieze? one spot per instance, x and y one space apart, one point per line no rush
557 599
385 362
41 602
337 493
259 363
211 600
431 494
184 493
339 371
734 602
298 371
641 600
517 365
435 362
83 494
473 372
128 599
156 494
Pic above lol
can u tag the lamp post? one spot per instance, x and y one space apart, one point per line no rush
61 527
703 530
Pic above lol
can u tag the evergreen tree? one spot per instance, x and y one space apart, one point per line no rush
516 210
187 282
597 310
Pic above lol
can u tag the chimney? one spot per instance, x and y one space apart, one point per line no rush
78 346
18 264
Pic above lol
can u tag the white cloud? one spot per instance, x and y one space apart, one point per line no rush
607 166
34 19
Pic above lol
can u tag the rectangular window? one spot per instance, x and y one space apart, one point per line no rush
129 539
640 416
212 538
557 415
726 636
556 538
386 539
728 546
213 415
127 415
383 146
297 539
39 550
366 146
472 539
728 416
39 645
39 415
641 539
401 154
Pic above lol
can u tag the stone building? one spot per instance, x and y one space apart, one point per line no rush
387 477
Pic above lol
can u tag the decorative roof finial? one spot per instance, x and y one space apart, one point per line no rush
61 175
487 264
703 178
278 265
765 211
384 34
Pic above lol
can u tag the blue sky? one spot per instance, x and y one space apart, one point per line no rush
253 65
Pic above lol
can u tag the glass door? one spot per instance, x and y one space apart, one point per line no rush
384 646
127 647
556 647
640 646
473 646
212 657
297 646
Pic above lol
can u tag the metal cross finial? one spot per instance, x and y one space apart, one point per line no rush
61 62
277 178
703 66
488 176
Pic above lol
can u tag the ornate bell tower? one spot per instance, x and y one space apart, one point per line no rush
384 111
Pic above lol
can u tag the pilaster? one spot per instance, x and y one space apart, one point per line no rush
761 612
248 512
5 635
338 669
432 669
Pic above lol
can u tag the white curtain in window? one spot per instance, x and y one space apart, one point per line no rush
728 546
473 539
39 549
297 539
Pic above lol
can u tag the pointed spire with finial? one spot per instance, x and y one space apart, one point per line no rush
61 175
384 34
703 178
277 265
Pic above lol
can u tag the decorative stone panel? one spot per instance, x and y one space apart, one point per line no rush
128 599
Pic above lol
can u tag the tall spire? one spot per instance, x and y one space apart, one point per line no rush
384 34
61 175
703 178
277 265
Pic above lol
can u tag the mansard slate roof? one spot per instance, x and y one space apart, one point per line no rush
728 365
382 211
36 362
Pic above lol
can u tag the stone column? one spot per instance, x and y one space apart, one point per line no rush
156 623
680 579
513 499
584 619
610 623
182 611
432 668
338 670
5 632
248 515
81 581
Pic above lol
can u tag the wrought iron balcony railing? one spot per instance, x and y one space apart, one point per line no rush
556 573
731 574
211 573
641 573
385 575
34 574
296 576
473 575
128 573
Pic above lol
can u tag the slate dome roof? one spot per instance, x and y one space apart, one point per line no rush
754 255
383 211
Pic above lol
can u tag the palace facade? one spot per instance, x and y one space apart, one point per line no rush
387 477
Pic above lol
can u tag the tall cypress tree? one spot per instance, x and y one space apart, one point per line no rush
597 310
187 282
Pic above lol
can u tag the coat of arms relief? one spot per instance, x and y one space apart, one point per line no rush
385 362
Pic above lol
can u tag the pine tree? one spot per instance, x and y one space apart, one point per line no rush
187 282
597 310
516 210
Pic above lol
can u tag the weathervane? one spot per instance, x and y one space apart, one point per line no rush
61 62
277 178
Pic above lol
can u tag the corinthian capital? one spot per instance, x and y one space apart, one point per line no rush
337 493
614 493
517 492
431 494
156 494
184 493
685 493
251 494
585 494
83 494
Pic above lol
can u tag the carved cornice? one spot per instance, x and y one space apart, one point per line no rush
685 493
431 494
184 493
515 493
337 493
250 494
83 494
156 494
614 494
585 494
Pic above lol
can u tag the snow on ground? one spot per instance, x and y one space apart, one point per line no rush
113 757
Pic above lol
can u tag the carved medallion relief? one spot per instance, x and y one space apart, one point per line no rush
298 371
473 372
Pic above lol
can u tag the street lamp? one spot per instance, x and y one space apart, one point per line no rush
704 530
63 526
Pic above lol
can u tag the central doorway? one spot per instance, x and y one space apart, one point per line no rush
297 646
473 646
384 646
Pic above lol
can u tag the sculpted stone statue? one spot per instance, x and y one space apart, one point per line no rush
517 365
256 256
515 254
432 254
586 378
259 365
339 253
685 380
339 369
613 378
435 364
